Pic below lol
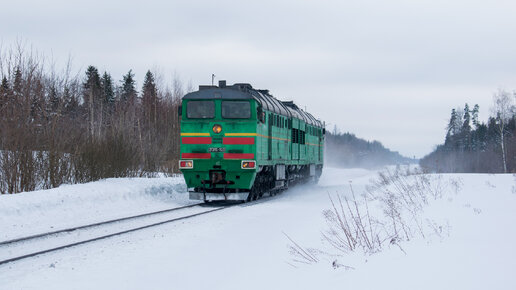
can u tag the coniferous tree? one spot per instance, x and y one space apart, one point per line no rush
482 150
92 81
53 101
92 96
17 84
4 94
16 100
451 124
71 103
466 126
107 89
474 116
5 85
129 107
37 106
466 129
449 142
53 128
491 130
480 138
149 98
107 100
128 91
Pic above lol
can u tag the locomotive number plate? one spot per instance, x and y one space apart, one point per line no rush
217 149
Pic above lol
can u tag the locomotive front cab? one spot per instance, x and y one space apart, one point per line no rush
218 145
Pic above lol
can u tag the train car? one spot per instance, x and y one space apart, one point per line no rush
239 143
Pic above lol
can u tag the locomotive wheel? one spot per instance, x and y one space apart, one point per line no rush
252 194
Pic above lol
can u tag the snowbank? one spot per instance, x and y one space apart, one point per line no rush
71 205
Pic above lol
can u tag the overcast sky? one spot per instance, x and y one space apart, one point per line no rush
384 70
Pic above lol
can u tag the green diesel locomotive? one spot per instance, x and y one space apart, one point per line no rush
239 143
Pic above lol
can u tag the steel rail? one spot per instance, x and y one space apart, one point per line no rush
109 235
93 225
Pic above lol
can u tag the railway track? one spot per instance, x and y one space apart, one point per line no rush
34 245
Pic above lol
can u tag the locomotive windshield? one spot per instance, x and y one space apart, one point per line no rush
236 110
200 110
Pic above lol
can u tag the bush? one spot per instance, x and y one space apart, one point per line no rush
390 211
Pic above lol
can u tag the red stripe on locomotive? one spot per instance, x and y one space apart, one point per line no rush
237 141
196 155
196 140
238 156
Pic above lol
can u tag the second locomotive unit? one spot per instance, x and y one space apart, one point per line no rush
238 143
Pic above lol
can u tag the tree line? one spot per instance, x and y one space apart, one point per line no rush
56 127
346 150
474 146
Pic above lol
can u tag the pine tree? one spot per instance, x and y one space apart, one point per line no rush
16 100
149 98
481 138
450 131
486 141
17 84
474 116
467 119
4 87
108 98
466 129
53 100
92 95
71 104
451 125
36 108
4 94
128 101
128 91
108 90
92 83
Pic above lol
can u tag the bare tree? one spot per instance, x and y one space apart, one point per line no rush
503 109
59 127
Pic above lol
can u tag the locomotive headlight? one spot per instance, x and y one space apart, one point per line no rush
217 128
185 164
248 164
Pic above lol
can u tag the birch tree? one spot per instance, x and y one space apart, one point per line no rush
503 109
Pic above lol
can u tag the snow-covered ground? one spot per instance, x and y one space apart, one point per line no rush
41 211
246 247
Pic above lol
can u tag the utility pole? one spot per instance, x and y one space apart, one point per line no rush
212 78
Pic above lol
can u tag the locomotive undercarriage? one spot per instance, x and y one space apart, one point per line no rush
269 180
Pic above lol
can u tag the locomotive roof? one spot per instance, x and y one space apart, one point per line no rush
242 91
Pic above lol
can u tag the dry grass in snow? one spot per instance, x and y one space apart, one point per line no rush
390 212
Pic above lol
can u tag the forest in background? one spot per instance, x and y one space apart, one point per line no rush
473 146
347 151
60 127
